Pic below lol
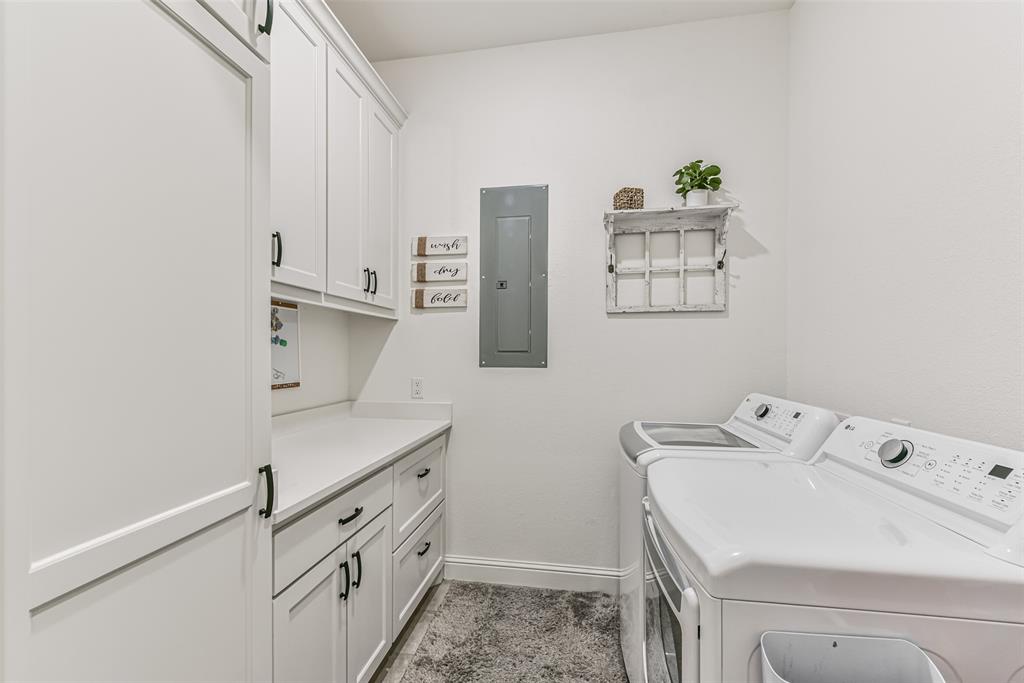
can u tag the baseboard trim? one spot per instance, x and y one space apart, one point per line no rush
532 574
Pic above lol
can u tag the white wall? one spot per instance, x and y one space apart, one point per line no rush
533 454
323 359
905 267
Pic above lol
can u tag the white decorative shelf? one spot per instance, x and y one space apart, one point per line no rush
667 259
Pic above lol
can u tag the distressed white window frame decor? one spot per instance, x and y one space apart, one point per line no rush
648 222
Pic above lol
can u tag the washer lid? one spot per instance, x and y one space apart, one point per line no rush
637 438
786 532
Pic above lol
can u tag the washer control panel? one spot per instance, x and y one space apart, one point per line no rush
986 480
777 416
794 428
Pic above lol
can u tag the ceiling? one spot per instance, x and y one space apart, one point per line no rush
396 29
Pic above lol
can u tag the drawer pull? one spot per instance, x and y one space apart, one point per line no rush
425 549
359 569
423 473
355 513
348 583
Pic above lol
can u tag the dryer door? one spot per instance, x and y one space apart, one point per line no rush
671 647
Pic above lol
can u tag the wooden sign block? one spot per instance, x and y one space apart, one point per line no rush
440 298
439 271
439 245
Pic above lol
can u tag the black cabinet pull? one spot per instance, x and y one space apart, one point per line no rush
423 473
425 549
348 582
269 510
280 250
355 513
366 272
265 28
374 282
359 569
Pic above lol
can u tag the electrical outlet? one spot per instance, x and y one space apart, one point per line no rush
417 387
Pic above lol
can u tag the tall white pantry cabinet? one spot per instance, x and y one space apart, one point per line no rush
334 166
135 277
136 411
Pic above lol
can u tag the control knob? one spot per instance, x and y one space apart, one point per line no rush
895 452
762 410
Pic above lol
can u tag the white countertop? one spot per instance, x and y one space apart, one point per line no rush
319 452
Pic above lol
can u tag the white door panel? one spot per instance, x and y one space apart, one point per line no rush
140 619
310 624
244 18
369 605
135 316
381 224
346 199
298 172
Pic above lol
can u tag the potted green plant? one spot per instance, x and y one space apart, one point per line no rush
694 181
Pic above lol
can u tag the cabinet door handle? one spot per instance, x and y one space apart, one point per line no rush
423 473
359 569
269 509
355 513
348 580
423 552
280 250
366 288
374 282
265 28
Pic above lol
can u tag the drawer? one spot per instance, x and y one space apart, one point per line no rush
416 565
299 546
419 487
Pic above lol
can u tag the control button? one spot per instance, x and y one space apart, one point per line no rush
930 465
869 444
762 410
895 452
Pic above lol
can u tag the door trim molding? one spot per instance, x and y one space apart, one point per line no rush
62 572
532 574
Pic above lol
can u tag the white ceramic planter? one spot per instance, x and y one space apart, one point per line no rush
697 198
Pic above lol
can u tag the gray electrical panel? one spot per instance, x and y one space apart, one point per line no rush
514 277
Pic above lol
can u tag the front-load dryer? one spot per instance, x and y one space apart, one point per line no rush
888 532
761 427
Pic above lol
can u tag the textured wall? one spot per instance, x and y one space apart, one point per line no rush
533 455
906 281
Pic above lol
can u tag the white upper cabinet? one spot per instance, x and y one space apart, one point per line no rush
335 166
347 276
135 308
298 168
252 21
379 250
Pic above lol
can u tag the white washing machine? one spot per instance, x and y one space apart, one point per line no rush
889 531
761 427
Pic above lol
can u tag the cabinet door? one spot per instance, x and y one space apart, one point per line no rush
252 21
346 203
382 207
298 167
369 607
310 624
134 338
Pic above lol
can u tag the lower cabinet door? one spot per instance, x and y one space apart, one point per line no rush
311 624
369 605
